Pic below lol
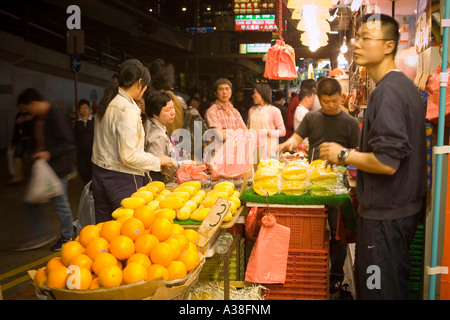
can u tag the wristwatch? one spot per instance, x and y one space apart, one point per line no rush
343 154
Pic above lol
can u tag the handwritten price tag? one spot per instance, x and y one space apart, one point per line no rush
213 221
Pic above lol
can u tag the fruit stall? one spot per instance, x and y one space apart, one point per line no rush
222 231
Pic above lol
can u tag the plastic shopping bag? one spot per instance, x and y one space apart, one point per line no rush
86 209
280 62
268 260
433 90
44 183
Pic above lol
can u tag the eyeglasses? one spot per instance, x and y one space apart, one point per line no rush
364 40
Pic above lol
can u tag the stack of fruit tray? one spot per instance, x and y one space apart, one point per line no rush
308 255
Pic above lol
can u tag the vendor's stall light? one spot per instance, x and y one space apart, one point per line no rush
150 10
292 4
183 9
344 47
314 45
321 25
208 9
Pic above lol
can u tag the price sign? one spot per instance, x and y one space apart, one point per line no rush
213 221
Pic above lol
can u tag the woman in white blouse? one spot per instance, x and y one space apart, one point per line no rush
118 156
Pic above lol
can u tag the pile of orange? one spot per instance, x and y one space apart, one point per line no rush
134 248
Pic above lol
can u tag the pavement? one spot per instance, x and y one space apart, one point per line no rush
15 284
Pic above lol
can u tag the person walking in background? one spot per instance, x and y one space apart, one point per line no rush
21 144
306 97
52 141
266 119
242 104
193 120
118 156
84 135
278 101
391 162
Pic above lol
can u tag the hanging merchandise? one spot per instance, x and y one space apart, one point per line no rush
280 61
433 90
268 260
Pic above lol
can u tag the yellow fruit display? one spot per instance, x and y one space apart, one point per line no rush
132 202
225 188
228 216
165 193
166 213
153 189
294 172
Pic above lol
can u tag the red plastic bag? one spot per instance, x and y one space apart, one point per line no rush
191 172
268 260
433 90
235 157
280 62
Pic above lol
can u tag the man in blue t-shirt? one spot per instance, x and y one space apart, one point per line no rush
391 163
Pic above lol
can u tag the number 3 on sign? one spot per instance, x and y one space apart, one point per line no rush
213 220
222 209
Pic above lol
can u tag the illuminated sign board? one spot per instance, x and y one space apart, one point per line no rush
253 6
255 22
245 48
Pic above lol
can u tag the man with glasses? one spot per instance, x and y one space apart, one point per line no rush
391 163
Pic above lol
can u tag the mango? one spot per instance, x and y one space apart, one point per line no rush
233 207
146 195
225 188
209 200
170 213
228 216
196 184
294 172
189 189
229 183
172 202
158 184
182 194
199 196
121 211
200 214
159 197
152 189
191 204
184 213
235 200
132 202
154 204
165 192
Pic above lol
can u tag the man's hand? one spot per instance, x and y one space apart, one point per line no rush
43 155
329 151
166 161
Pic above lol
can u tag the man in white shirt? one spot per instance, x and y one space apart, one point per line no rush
306 98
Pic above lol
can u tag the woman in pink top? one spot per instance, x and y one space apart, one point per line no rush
266 119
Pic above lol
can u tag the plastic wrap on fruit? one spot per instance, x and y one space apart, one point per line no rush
266 173
293 187
322 188
269 163
294 171
266 187
320 173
